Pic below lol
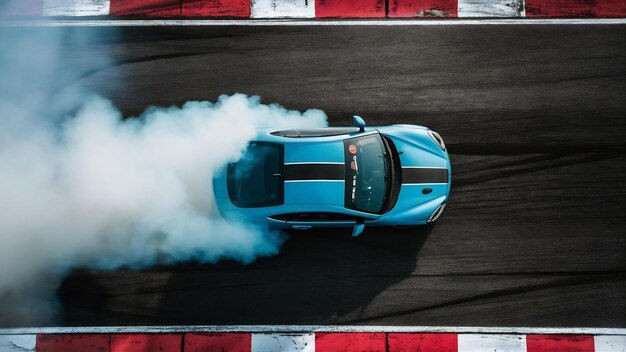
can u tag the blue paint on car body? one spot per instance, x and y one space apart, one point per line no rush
338 177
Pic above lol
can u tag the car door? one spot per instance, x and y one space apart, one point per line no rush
308 220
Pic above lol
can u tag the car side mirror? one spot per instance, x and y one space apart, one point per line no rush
359 122
358 229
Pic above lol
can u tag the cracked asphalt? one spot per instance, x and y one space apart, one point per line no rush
535 120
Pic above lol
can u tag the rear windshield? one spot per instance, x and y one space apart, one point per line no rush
255 180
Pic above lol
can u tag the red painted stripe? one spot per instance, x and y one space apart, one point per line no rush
146 342
22 8
350 342
399 342
559 343
230 342
145 7
576 8
423 8
216 8
350 8
73 342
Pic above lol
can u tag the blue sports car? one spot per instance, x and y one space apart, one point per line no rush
359 176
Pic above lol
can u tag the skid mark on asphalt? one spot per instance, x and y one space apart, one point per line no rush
557 161
558 283
620 271
549 156
533 148
118 63
135 60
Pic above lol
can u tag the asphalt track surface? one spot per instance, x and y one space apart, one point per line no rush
535 120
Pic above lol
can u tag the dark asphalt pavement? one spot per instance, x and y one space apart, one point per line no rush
535 119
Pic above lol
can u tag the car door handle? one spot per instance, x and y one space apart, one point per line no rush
301 227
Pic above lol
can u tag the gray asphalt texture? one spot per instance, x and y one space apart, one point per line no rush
535 120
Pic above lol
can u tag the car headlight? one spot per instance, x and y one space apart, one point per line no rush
435 215
437 139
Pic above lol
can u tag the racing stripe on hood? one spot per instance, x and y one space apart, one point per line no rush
424 175
314 171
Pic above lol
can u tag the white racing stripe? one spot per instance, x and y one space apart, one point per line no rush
258 22
422 184
315 162
314 180
423 167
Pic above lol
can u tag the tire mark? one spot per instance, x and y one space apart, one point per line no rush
193 286
498 174
512 274
510 163
534 148
549 152
568 282
132 61
525 83
118 63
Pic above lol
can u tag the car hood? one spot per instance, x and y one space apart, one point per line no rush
425 174
416 147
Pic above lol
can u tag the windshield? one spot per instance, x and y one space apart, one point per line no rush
255 180
366 173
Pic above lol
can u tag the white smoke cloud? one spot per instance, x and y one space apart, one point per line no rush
91 189
108 192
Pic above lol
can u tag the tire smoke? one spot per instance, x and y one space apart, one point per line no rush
94 190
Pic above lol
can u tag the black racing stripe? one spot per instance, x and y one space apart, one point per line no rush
294 172
424 175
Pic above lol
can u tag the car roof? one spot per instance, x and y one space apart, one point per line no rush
321 193
325 152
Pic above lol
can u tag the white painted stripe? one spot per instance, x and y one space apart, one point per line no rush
259 22
315 180
76 7
492 343
315 162
609 343
491 8
282 8
423 167
283 342
421 184
17 342
310 329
